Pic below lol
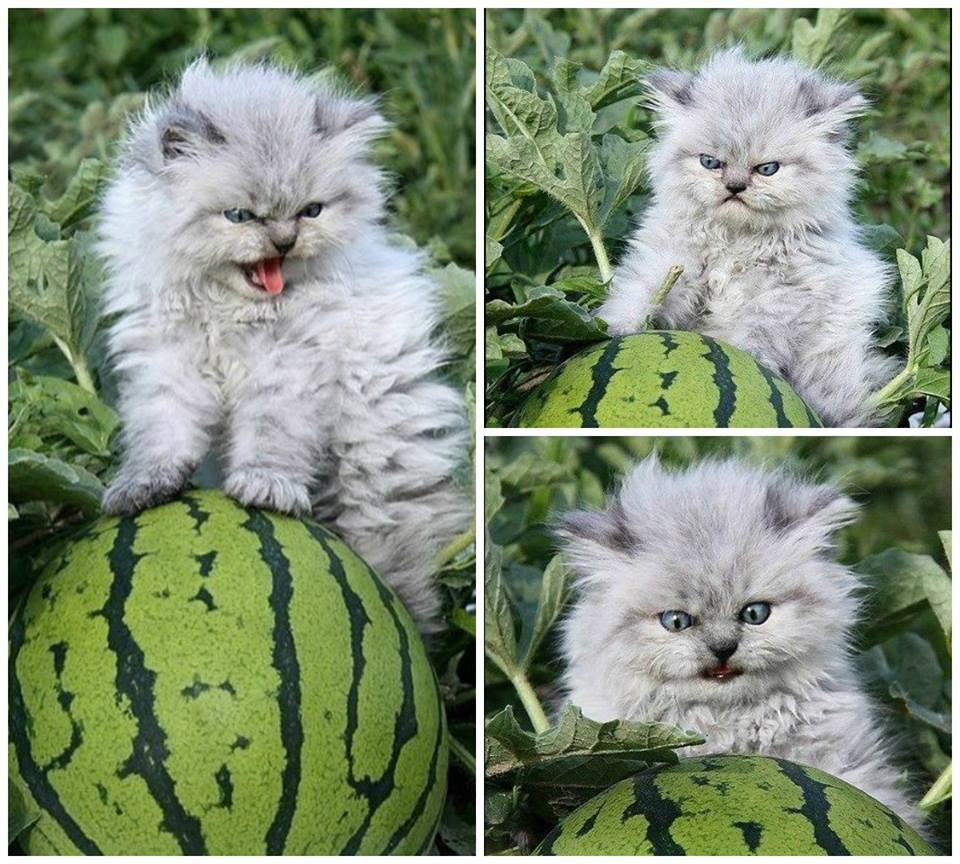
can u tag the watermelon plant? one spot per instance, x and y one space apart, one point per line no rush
566 142
65 114
541 763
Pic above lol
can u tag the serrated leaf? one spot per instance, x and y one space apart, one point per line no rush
80 198
620 78
623 165
553 592
548 315
815 44
31 476
510 748
20 816
499 638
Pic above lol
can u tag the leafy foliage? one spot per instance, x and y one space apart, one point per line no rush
75 77
900 546
567 135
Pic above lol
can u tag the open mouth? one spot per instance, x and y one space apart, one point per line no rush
265 275
721 672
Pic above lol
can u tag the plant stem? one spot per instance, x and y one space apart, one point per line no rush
461 753
673 274
599 250
79 365
530 701
454 548
940 790
883 395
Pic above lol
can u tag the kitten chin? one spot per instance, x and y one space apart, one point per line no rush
710 599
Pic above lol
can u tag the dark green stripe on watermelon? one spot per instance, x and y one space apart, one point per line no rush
816 808
659 812
135 681
602 373
727 396
776 399
288 668
375 791
35 776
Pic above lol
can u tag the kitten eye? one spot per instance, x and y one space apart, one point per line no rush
767 168
675 621
311 211
755 613
237 216
710 162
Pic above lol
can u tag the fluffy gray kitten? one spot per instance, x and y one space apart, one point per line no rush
752 182
263 310
710 599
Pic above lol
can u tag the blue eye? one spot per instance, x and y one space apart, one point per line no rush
767 168
238 216
311 211
675 621
710 162
755 613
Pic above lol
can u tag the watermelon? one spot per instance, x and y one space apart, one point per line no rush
664 379
210 679
733 805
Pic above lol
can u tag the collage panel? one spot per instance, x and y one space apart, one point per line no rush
717 645
241 374
701 218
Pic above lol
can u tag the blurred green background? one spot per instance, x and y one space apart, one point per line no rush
900 57
902 641
75 73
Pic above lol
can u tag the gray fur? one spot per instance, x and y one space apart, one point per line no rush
717 537
324 397
782 272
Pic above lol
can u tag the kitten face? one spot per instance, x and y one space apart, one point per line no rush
677 576
744 116
255 174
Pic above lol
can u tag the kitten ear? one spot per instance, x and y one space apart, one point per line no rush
670 89
184 131
812 512
831 104
335 115
594 542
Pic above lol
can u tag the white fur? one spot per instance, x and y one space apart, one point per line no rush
323 398
708 541
783 274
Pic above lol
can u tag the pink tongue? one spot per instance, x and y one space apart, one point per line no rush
270 275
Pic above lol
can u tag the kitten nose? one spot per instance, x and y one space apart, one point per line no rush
724 652
735 186
284 246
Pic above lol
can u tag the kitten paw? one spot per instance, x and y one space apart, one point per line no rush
256 487
130 494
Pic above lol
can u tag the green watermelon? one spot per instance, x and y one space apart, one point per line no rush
664 379
210 679
733 805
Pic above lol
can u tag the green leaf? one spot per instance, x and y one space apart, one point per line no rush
60 407
815 45
509 747
80 198
946 538
897 585
500 638
623 166
20 816
620 78
548 315
553 592
31 476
